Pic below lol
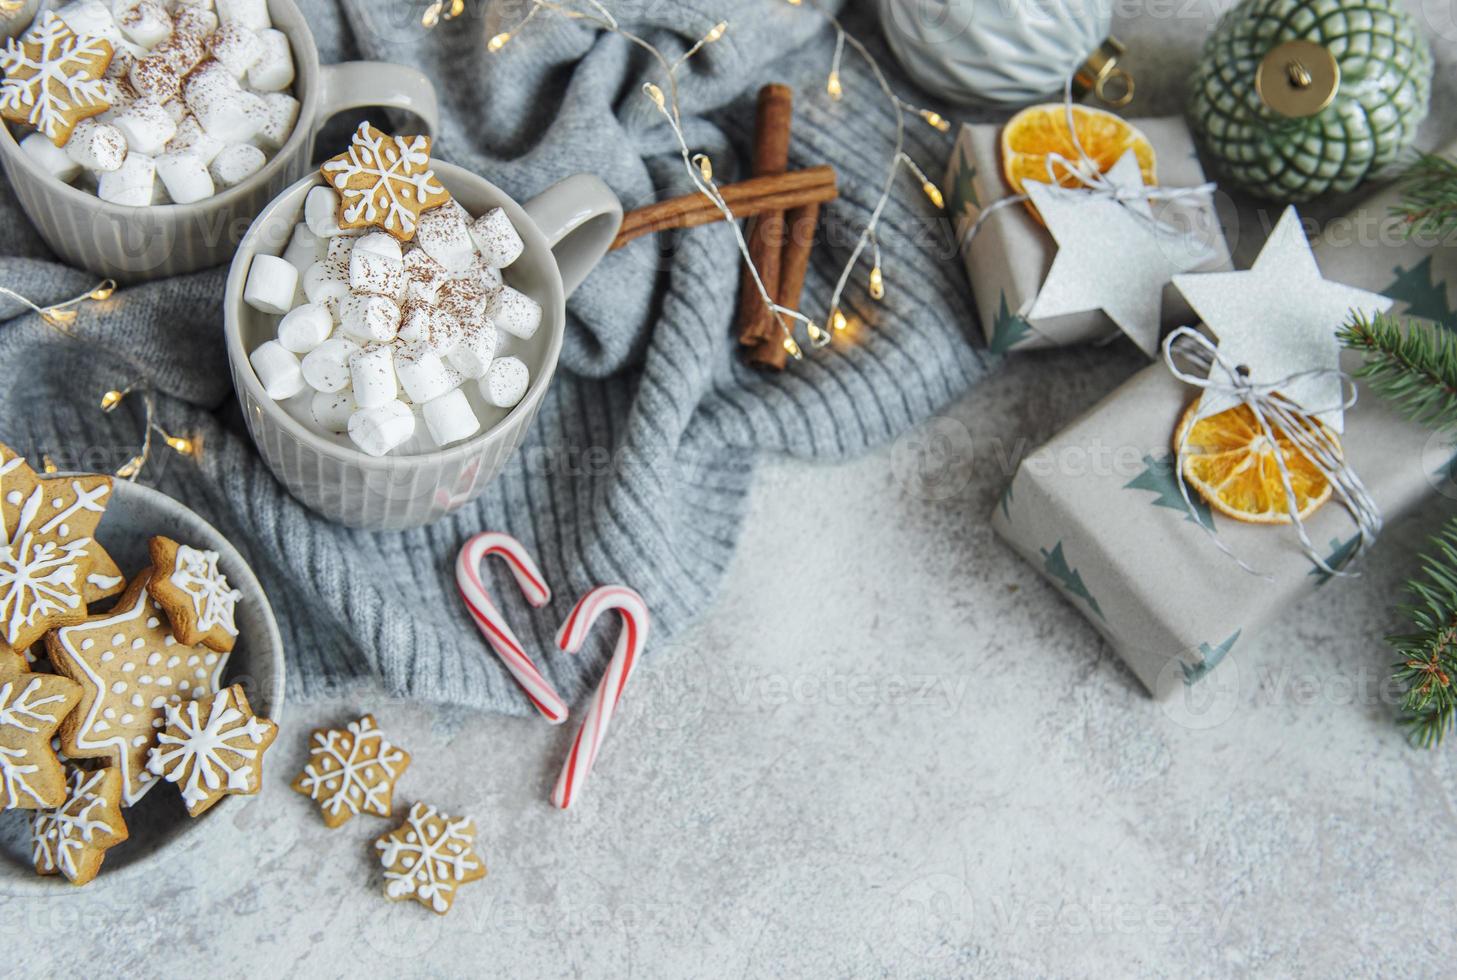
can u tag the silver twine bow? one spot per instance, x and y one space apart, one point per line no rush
1093 183
1300 424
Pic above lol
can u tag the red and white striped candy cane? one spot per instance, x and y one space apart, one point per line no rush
493 625
570 637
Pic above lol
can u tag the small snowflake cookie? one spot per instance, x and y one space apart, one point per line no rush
351 770
428 857
130 668
384 182
50 565
72 838
196 596
53 78
32 707
212 748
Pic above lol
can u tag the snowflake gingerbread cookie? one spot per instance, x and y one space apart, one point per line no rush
130 668
211 748
50 563
428 857
53 78
384 182
32 707
351 771
73 838
196 596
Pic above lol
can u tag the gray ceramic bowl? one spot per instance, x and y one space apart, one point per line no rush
133 516
567 229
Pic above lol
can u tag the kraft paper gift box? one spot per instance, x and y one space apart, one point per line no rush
1098 510
1009 256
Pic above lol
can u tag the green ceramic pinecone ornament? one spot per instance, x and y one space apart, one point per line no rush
1385 74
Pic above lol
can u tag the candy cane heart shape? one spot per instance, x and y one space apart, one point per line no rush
493 625
570 637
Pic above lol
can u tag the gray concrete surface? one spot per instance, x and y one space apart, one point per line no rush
913 759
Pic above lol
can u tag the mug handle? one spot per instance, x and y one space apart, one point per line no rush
579 217
364 84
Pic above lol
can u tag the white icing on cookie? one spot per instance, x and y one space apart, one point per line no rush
213 600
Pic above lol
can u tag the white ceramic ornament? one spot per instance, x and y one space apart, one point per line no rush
975 51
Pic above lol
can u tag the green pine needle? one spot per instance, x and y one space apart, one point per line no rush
1429 196
1427 664
1414 366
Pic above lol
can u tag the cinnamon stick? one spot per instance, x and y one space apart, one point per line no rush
745 199
803 224
766 231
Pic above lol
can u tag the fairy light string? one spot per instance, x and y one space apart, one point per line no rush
62 317
700 168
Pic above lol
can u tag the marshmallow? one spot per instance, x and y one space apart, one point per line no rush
337 253
449 417
497 238
380 243
191 136
146 126
145 22
222 108
323 285
179 5
463 303
376 274
274 68
516 313
304 249
96 146
236 164
277 370
50 157
321 212
185 176
252 14
446 238
487 275
193 24
418 322
472 354
236 48
331 410
372 375
378 430
176 111
131 184
305 327
326 367
505 383
153 77
271 284
280 112
369 317
424 276
90 17
423 374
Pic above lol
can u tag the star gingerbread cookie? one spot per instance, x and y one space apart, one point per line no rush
130 668
50 563
199 602
72 838
384 182
428 857
351 770
53 78
32 707
211 748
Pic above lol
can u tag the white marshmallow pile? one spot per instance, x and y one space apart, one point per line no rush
199 100
377 341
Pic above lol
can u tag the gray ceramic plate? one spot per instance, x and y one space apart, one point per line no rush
134 514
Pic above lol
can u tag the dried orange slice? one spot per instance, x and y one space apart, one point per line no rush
1040 130
1231 463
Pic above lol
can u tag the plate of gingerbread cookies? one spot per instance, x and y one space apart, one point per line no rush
141 675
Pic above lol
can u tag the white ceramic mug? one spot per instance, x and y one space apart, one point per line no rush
566 230
132 244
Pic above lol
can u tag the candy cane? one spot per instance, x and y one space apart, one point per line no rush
493 625
570 637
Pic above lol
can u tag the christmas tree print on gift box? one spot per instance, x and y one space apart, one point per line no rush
1424 296
1055 565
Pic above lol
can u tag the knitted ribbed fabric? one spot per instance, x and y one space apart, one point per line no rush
649 369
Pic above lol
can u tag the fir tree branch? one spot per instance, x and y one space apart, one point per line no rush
1429 196
1427 655
1415 367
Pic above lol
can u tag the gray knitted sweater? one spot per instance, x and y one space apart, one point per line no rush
648 368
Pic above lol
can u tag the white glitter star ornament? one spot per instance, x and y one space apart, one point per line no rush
1279 319
1111 255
